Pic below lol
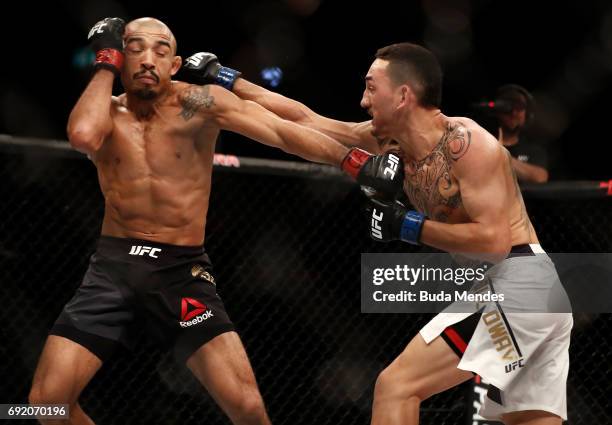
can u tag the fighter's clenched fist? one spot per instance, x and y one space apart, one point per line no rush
106 40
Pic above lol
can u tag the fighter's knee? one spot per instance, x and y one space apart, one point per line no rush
47 393
35 395
384 382
249 407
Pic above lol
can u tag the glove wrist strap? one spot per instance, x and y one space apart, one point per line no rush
353 161
109 59
227 77
412 225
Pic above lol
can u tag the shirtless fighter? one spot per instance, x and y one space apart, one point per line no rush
153 148
466 199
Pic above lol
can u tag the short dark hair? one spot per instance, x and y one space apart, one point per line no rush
411 63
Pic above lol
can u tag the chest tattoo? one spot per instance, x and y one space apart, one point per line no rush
429 183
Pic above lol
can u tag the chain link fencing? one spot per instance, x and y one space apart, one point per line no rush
286 249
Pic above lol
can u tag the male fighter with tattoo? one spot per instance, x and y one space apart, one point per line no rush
153 148
466 200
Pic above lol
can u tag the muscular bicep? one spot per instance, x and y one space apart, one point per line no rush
250 119
347 133
244 117
483 184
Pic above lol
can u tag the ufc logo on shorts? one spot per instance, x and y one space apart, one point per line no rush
375 225
195 59
142 250
97 28
512 366
392 163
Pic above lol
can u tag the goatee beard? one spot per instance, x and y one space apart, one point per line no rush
145 94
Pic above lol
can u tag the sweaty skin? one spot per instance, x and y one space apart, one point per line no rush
431 182
155 173
434 190
153 146
149 27
461 177
456 172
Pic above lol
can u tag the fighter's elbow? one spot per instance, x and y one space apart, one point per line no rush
304 116
84 138
498 241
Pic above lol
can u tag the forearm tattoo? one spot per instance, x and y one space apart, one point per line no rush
193 99
429 184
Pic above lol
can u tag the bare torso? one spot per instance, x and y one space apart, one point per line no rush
433 189
155 172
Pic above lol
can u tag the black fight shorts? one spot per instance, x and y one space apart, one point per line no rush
166 289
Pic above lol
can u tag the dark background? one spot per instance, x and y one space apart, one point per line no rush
560 51
290 279
291 283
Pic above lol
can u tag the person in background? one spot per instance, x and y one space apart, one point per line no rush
514 115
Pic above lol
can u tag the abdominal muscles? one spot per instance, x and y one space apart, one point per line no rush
156 205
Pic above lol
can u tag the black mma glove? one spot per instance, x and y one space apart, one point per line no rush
391 221
204 68
106 40
383 173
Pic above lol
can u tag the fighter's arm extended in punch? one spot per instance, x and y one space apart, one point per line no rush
90 121
204 68
248 118
231 113
357 134
482 182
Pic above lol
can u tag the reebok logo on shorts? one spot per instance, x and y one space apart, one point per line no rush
142 250
193 312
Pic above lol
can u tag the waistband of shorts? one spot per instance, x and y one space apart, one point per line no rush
525 250
143 247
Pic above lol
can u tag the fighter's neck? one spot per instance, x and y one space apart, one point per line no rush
421 132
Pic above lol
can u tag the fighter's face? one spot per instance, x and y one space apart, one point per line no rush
379 98
150 62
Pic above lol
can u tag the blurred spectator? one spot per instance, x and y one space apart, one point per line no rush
515 113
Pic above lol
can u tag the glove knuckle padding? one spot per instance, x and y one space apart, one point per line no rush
106 40
204 68
385 173
107 33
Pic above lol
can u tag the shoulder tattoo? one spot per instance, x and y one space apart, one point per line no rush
193 99
456 141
